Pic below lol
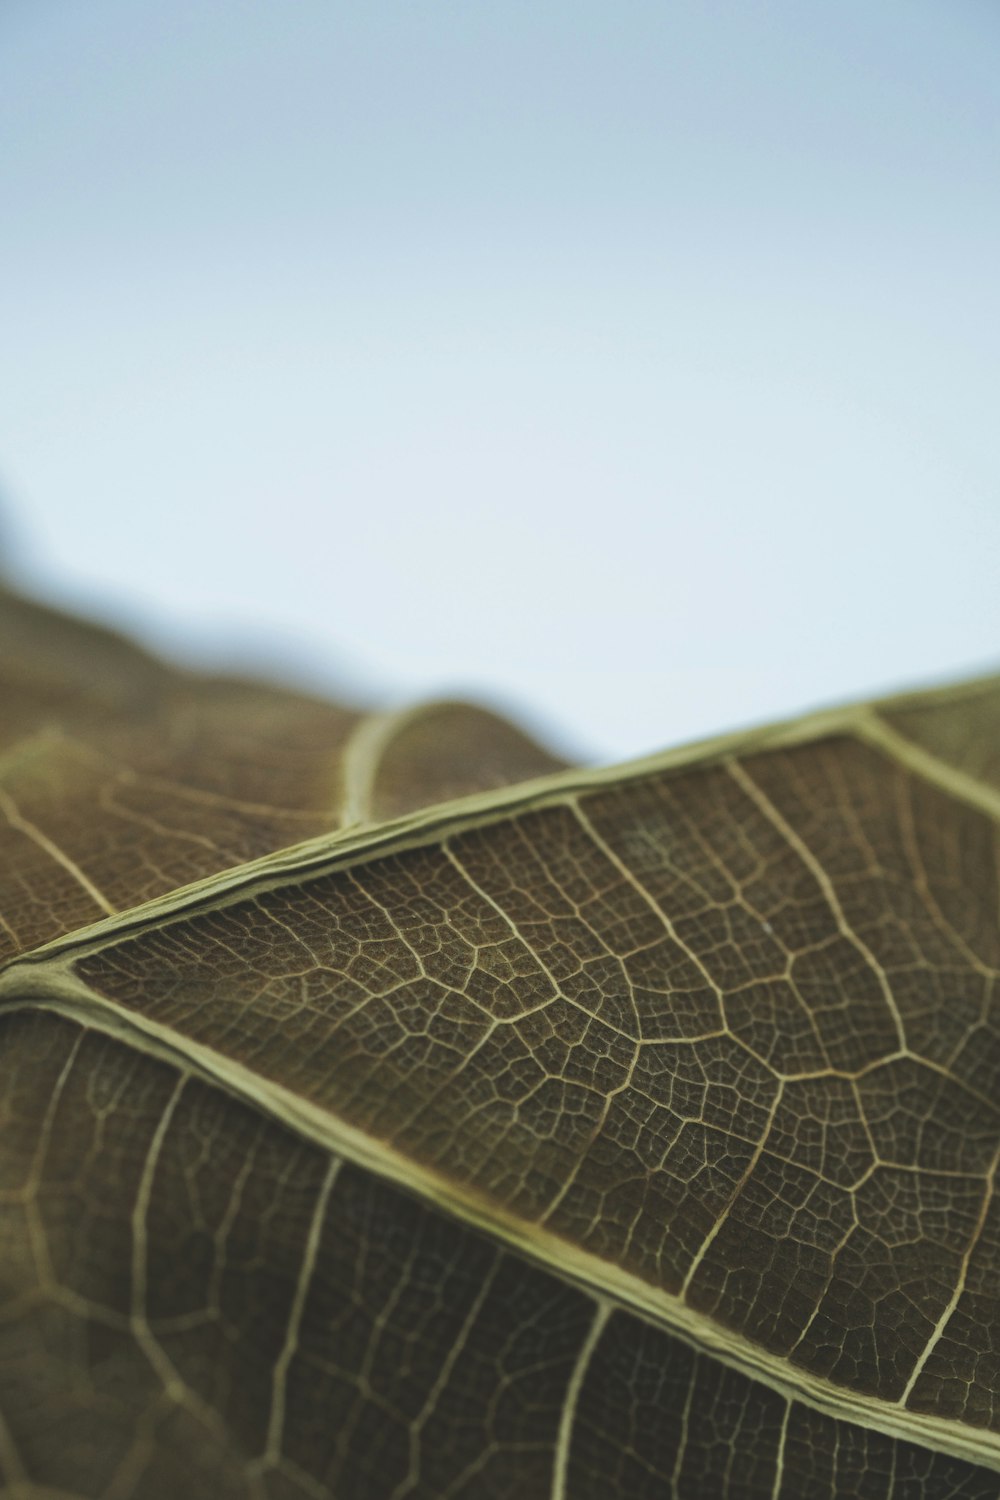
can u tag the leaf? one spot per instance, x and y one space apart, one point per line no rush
389 1112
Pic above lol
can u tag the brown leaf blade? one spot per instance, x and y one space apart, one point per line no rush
623 1133
122 779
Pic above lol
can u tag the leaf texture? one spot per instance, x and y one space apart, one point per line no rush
387 1110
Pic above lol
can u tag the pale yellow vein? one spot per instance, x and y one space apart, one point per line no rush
779 1457
759 797
578 1375
42 840
944 1319
276 1423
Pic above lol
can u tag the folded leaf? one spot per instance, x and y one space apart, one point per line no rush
389 1111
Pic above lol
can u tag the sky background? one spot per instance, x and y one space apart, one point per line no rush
634 367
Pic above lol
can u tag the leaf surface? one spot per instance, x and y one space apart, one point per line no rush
388 1111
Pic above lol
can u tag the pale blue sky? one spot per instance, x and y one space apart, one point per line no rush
635 366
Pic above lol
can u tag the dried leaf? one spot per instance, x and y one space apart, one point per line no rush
391 1113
